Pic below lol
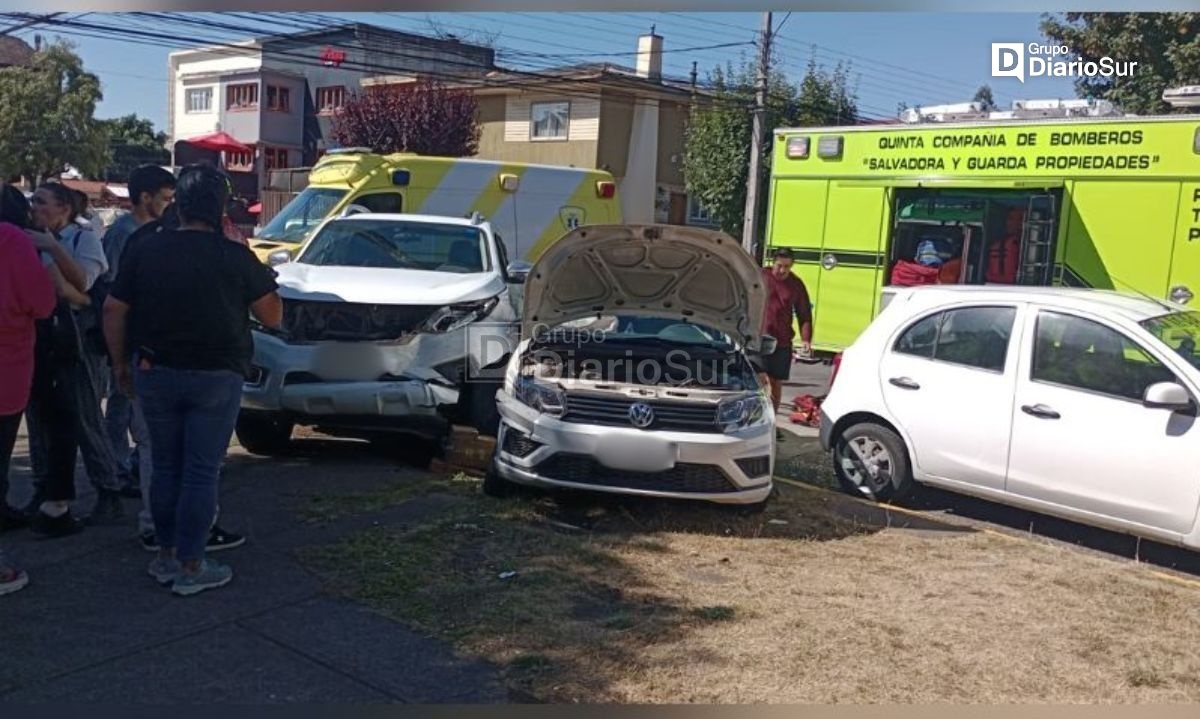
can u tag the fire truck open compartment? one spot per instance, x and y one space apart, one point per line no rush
994 236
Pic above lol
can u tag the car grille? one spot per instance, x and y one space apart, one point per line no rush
311 321
685 478
614 412
519 444
754 466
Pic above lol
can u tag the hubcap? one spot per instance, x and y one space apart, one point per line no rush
867 463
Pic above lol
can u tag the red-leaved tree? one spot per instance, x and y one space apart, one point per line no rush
424 117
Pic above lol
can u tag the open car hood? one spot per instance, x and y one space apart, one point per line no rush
665 271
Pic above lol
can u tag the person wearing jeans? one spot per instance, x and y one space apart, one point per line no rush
183 302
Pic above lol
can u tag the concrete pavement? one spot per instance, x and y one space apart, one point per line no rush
93 627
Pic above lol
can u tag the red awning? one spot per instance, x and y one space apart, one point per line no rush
218 142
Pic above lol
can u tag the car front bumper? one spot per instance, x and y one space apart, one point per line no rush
618 460
826 432
363 379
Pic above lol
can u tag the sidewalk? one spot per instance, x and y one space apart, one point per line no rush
93 627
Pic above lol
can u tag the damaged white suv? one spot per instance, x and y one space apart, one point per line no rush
375 332
633 374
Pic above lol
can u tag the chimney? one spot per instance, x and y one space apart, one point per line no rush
37 43
649 56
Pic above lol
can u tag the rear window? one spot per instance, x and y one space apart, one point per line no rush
974 337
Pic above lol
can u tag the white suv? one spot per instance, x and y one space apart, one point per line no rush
633 375
376 336
1077 403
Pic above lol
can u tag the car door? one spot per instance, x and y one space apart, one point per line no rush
948 379
1082 438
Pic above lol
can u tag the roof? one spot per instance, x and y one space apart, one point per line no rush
14 52
1106 302
96 190
610 74
393 217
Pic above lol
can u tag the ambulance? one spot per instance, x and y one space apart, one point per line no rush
529 205
1104 202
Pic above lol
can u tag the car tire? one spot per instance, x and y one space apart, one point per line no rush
264 433
889 476
496 486
481 411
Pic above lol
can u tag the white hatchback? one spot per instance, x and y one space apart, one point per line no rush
1075 403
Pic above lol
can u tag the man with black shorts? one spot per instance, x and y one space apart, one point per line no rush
786 298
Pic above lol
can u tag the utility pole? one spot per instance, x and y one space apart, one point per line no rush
750 225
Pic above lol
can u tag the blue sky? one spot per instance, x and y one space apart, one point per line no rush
916 58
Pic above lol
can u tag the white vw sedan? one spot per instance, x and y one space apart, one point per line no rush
1076 403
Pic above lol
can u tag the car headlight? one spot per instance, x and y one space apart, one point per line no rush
542 396
741 412
457 316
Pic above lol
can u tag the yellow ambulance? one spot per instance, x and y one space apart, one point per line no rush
531 206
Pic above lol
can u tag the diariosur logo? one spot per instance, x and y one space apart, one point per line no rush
1020 60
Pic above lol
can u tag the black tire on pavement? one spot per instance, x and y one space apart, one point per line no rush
496 486
481 411
264 433
894 482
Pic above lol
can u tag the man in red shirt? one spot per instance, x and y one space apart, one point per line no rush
786 298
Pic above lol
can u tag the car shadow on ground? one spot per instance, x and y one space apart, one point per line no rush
929 499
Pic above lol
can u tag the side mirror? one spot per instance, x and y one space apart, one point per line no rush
354 210
518 272
767 345
279 257
1168 395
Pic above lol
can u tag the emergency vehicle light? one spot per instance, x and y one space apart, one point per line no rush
830 148
509 183
606 190
400 178
797 148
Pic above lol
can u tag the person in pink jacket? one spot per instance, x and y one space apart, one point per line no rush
27 294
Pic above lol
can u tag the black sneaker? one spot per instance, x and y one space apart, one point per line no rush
219 539
108 509
149 542
55 527
12 518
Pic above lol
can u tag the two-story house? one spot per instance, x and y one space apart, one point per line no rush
278 94
628 121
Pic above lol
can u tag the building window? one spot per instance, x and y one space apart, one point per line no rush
549 120
276 158
242 97
697 213
330 99
239 161
199 100
279 99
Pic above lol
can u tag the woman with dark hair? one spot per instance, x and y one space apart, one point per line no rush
188 375
82 380
26 296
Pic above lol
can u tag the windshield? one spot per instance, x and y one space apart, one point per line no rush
302 214
392 244
651 330
1180 331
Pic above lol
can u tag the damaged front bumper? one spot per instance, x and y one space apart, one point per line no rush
541 450
325 380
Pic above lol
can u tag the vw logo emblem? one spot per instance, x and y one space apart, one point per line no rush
641 415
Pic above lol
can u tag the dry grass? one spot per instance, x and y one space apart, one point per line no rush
654 603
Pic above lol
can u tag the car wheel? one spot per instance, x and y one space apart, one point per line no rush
871 460
264 433
481 411
496 486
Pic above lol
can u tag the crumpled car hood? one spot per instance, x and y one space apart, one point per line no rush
380 286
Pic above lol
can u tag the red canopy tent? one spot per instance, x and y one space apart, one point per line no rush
218 142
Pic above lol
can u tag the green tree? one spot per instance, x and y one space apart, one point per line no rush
132 142
1165 45
717 150
48 119
985 98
